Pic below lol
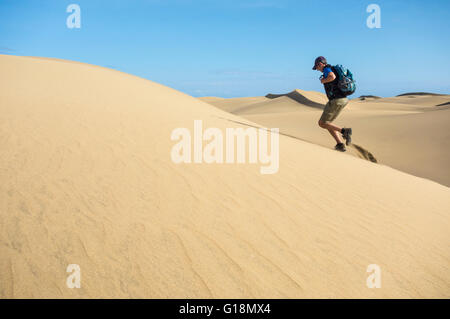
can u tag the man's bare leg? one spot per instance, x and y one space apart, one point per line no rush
336 136
333 129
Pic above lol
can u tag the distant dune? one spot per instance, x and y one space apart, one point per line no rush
364 97
87 179
313 99
420 94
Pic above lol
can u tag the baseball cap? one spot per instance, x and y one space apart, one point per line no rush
318 60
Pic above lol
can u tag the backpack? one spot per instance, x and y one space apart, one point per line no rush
345 83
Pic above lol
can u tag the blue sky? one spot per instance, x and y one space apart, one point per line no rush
242 48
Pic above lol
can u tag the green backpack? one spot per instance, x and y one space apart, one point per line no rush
346 83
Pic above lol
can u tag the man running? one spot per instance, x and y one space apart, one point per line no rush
336 102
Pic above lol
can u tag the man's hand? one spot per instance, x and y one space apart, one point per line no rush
330 78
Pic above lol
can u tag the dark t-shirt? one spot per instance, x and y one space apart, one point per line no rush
331 88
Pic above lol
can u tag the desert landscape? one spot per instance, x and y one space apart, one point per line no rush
87 179
407 132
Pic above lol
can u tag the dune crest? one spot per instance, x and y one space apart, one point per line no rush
312 99
420 94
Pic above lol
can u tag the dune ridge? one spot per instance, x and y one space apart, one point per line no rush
312 99
420 94
87 179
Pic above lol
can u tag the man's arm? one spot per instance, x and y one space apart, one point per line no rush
331 77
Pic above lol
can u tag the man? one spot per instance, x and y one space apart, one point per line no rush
337 100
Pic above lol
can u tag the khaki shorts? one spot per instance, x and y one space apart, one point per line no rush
332 109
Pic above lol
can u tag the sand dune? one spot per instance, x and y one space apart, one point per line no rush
280 102
313 99
366 97
234 105
407 132
421 94
417 100
87 178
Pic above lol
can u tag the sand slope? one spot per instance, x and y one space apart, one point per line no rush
86 178
408 132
